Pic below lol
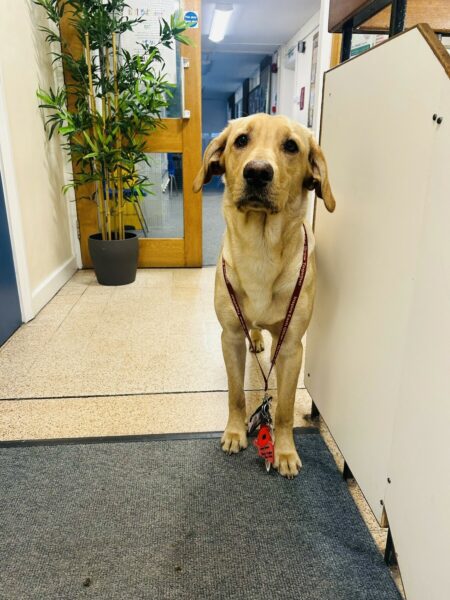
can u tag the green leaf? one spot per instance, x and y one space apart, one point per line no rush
143 91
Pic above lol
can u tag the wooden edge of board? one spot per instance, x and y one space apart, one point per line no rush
436 45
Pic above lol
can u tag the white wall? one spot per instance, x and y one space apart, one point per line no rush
323 61
33 168
290 82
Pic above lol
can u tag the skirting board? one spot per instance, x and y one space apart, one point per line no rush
52 284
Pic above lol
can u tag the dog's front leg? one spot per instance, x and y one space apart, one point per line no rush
288 364
234 352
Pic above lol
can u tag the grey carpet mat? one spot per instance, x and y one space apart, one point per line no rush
180 520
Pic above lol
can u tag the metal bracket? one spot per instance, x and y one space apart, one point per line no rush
346 473
347 33
314 410
186 114
390 557
398 14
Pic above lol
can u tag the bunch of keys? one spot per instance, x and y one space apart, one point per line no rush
264 441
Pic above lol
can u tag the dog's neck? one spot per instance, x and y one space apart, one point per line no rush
263 249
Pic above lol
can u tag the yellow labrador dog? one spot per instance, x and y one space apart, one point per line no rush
269 164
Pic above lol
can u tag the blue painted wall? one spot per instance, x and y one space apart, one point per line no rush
10 315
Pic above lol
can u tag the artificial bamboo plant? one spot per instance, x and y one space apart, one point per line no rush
116 99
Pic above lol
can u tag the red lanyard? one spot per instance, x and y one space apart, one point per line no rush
287 318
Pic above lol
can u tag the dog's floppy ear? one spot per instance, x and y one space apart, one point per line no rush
318 180
212 161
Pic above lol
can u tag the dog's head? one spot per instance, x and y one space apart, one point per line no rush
267 162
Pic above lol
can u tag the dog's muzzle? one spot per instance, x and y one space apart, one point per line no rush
253 201
258 175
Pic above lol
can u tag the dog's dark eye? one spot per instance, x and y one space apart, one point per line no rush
290 146
241 141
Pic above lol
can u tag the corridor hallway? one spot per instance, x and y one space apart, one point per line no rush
139 359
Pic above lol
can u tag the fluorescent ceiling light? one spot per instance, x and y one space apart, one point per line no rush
220 21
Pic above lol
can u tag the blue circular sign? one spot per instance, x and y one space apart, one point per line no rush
191 18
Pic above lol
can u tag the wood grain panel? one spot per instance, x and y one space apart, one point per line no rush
434 12
342 10
192 132
161 252
168 138
336 42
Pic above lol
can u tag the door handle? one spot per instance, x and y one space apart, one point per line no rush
185 113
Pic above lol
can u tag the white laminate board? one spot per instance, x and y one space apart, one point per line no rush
378 136
418 498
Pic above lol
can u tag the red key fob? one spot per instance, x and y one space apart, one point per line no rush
264 443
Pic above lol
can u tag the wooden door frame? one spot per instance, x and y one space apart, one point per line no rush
178 135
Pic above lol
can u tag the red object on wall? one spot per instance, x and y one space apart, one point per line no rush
302 98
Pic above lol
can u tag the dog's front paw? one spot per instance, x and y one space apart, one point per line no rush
287 461
234 439
257 340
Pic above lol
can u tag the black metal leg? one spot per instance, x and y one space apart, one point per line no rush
347 32
398 14
346 473
314 411
389 554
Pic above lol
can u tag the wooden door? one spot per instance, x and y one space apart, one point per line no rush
170 221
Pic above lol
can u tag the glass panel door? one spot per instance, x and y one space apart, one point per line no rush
159 214
169 219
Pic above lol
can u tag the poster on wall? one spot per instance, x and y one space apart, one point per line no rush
312 89
148 31
364 41
302 98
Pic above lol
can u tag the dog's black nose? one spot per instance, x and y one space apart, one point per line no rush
258 172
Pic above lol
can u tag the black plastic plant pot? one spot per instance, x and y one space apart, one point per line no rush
115 261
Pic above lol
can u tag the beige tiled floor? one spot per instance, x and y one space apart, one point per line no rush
143 358
125 415
149 337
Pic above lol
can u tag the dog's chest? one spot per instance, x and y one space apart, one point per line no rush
261 312
264 294
263 302
266 266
